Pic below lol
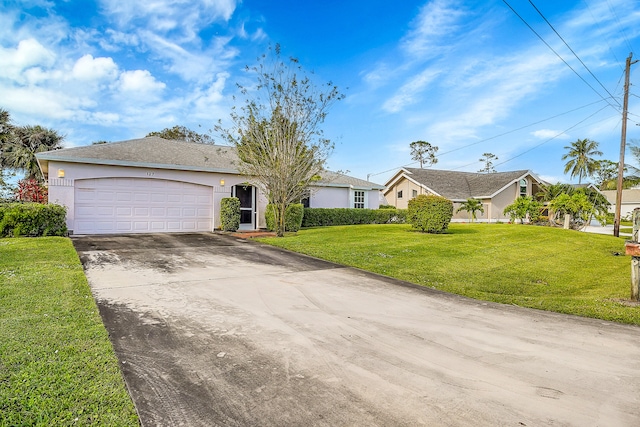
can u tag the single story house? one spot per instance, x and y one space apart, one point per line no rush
495 190
156 185
629 201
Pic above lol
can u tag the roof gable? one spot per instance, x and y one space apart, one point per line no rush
463 185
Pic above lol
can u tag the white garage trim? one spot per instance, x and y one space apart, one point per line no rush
140 205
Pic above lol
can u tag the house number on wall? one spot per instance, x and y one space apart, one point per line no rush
150 173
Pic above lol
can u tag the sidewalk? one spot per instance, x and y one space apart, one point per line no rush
607 229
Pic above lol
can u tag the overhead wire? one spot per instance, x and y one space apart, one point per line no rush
493 137
597 22
551 139
624 35
558 55
572 51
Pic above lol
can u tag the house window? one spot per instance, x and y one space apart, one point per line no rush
414 193
523 187
400 194
306 200
358 199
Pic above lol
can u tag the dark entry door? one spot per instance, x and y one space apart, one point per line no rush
246 194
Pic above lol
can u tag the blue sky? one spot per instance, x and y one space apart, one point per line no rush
467 76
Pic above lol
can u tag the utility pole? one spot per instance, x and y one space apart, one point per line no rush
623 143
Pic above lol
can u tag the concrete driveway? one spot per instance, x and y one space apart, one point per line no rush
211 330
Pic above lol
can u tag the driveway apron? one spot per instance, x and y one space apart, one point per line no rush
212 330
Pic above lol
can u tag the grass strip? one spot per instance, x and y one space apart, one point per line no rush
57 366
539 267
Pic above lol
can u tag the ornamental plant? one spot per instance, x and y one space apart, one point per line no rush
30 190
230 214
431 214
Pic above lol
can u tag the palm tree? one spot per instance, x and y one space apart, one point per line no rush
471 206
581 163
20 149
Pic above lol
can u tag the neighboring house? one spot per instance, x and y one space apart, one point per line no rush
156 185
630 200
495 190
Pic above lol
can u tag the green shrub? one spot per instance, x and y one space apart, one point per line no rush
322 217
292 217
430 213
270 216
230 214
32 220
386 207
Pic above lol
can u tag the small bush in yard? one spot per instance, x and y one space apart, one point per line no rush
292 217
32 220
230 214
431 214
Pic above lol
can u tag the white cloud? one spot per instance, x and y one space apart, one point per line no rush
436 20
550 134
88 68
410 91
139 82
185 17
29 53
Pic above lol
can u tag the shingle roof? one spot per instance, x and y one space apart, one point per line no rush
462 185
155 152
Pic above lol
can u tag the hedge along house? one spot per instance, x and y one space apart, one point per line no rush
495 190
155 185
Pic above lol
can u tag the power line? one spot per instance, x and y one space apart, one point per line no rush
557 54
518 129
550 139
597 22
624 35
572 51
490 138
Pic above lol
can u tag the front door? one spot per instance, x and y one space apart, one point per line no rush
247 196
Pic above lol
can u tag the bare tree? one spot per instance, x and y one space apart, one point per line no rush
423 152
277 133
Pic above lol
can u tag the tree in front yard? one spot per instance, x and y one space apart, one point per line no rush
471 206
278 134
522 208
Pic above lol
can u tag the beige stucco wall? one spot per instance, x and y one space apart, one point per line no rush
407 187
493 208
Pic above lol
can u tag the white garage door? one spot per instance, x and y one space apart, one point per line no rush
138 205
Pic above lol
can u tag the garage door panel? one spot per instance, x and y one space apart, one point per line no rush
140 212
124 196
138 205
124 211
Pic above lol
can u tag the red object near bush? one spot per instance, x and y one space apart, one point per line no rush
30 190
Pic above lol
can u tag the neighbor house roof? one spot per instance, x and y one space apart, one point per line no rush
159 153
462 185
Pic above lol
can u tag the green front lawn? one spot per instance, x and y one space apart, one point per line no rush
540 267
57 366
